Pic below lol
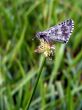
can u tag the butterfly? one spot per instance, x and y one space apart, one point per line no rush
58 33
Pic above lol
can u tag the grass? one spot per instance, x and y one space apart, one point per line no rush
27 79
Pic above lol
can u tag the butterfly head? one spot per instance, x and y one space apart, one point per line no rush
41 35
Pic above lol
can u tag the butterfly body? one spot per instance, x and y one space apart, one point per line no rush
60 32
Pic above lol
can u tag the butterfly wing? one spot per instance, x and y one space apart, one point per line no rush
60 32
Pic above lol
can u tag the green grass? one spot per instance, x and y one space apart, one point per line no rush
27 79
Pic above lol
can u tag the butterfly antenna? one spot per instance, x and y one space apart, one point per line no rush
33 38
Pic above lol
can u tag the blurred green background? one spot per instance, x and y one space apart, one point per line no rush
60 84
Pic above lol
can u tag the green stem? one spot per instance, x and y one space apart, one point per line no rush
33 92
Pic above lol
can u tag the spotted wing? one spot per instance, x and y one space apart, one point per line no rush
60 32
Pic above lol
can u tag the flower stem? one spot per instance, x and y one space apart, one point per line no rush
34 89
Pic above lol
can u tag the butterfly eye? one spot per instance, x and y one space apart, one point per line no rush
43 35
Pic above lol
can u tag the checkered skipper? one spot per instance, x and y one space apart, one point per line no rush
60 32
